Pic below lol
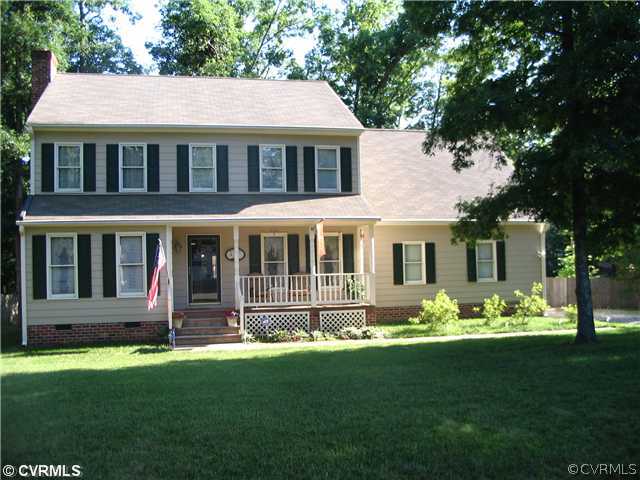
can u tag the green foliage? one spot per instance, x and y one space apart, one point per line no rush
355 289
300 336
529 305
208 37
250 338
492 309
571 312
374 59
567 264
354 333
278 336
439 312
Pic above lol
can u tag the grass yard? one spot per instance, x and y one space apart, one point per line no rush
522 407
477 325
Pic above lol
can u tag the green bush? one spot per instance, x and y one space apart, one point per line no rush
249 338
529 305
439 312
571 312
350 333
317 336
493 308
278 336
370 333
300 336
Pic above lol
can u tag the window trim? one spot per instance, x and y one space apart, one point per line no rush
282 166
119 293
319 260
262 252
56 187
337 169
62 296
494 259
120 166
423 263
214 157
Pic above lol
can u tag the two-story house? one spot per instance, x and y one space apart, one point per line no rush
238 178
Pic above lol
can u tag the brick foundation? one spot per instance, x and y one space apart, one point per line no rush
402 313
91 333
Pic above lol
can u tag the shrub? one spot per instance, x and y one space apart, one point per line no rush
278 336
350 333
249 338
317 336
571 312
438 312
529 305
492 309
371 333
300 336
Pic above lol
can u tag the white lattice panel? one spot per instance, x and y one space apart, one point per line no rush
259 324
336 320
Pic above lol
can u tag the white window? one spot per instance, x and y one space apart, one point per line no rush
133 167
131 264
202 167
486 261
327 169
272 173
62 265
68 167
331 262
274 254
413 263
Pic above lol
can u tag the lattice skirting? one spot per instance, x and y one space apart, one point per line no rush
336 320
259 324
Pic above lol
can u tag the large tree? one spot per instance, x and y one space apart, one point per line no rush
374 59
553 88
238 38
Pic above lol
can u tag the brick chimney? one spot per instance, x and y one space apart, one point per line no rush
44 65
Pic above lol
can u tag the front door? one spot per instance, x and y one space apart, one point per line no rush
204 268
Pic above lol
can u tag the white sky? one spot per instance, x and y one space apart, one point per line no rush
147 29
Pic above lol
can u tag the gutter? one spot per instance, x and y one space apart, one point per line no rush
442 221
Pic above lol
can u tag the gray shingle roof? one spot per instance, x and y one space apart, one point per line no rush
152 207
401 182
101 100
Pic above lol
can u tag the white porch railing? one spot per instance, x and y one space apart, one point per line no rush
299 289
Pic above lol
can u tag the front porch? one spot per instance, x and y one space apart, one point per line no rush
270 274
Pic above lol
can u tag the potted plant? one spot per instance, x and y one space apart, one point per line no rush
178 318
232 318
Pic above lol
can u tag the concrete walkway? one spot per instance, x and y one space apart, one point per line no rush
378 341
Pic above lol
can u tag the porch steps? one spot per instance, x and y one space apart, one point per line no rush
205 327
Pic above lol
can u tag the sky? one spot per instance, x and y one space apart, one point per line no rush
147 29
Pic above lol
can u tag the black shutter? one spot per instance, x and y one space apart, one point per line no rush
182 166
112 169
48 167
471 263
253 166
348 265
84 266
153 168
89 167
398 265
293 253
309 169
152 243
430 262
255 254
39 265
501 260
346 180
109 265
222 168
292 168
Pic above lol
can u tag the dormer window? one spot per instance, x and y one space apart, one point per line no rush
327 169
133 167
68 167
272 176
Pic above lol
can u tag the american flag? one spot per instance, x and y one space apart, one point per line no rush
160 262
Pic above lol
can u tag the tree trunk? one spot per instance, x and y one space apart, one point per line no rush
586 327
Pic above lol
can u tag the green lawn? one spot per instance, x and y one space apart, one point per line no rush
521 407
477 325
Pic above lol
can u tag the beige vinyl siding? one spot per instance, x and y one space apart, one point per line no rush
96 309
167 141
180 256
522 265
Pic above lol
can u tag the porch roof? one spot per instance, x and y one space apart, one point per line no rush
183 208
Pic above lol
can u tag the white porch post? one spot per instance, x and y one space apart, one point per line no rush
312 266
236 264
361 250
168 238
23 283
372 263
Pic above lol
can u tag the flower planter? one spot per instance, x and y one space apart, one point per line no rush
177 320
232 321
